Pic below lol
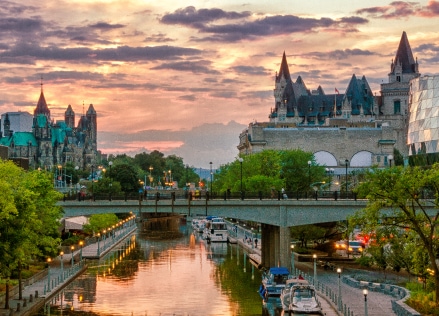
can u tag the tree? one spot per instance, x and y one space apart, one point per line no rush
394 202
127 176
98 222
29 218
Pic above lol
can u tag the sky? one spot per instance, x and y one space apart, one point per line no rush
186 77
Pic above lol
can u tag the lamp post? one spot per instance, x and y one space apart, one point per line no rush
59 173
315 268
346 165
81 243
293 268
309 173
61 254
72 248
110 163
211 175
48 274
92 181
390 157
339 289
365 302
240 162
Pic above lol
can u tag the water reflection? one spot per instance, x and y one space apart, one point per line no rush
165 270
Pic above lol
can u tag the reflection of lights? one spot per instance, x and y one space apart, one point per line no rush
80 298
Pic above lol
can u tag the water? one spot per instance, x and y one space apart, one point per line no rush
174 272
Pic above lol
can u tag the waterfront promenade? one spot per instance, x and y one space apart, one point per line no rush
62 271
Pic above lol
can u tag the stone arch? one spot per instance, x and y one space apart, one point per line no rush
325 158
361 159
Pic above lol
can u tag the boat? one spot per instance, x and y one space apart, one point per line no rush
198 224
273 282
299 297
215 230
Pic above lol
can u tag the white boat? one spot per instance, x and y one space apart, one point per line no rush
198 224
215 230
299 297
273 282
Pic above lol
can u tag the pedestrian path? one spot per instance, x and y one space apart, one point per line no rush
61 271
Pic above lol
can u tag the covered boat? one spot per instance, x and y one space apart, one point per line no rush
273 281
215 230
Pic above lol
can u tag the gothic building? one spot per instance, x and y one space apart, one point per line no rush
52 143
355 128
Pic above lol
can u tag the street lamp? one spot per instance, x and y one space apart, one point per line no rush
211 175
72 248
365 302
48 274
293 268
315 268
309 172
81 243
339 288
61 254
150 176
92 181
390 157
110 163
346 164
59 173
240 161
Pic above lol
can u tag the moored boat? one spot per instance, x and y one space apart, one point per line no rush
273 282
299 297
215 230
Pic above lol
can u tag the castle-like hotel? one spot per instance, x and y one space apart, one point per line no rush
52 143
357 128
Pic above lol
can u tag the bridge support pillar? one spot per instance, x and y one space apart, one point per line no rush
275 249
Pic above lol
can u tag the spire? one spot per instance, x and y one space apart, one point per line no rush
42 107
284 70
404 56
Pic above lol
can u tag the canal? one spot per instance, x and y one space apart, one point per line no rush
165 269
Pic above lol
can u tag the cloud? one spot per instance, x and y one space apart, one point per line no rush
252 29
340 54
216 142
84 54
106 26
192 17
202 66
402 9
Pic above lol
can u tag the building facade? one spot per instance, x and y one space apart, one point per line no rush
354 128
52 143
423 127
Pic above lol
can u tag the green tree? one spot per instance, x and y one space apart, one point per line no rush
127 176
29 218
99 222
394 200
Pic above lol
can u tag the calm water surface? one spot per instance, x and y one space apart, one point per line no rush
165 269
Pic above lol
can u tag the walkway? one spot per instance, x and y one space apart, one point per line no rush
61 272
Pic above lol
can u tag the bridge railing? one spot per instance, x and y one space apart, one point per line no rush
226 195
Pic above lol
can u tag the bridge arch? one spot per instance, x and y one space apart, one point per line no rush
361 159
325 158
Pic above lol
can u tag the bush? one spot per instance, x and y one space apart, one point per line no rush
422 300
365 261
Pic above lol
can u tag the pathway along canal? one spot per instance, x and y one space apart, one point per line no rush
165 270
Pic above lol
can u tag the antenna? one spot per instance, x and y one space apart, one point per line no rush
41 83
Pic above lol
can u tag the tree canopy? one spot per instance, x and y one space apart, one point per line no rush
396 208
29 217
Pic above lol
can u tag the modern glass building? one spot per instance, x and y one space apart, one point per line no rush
423 127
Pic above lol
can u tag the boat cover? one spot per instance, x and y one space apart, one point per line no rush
279 270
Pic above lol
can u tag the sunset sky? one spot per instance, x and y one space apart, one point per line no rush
186 77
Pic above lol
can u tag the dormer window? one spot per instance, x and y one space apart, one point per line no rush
398 78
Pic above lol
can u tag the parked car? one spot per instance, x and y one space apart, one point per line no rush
356 247
341 245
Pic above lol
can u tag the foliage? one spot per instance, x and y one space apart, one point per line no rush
394 204
29 217
99 222
270 169
306 233
127 176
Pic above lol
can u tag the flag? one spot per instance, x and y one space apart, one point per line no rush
336 91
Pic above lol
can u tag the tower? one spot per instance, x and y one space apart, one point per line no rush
69 117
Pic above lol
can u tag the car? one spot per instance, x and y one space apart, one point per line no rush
356 247
340 245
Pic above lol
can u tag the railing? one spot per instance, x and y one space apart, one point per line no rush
178 195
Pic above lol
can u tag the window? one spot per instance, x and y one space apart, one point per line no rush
397 107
